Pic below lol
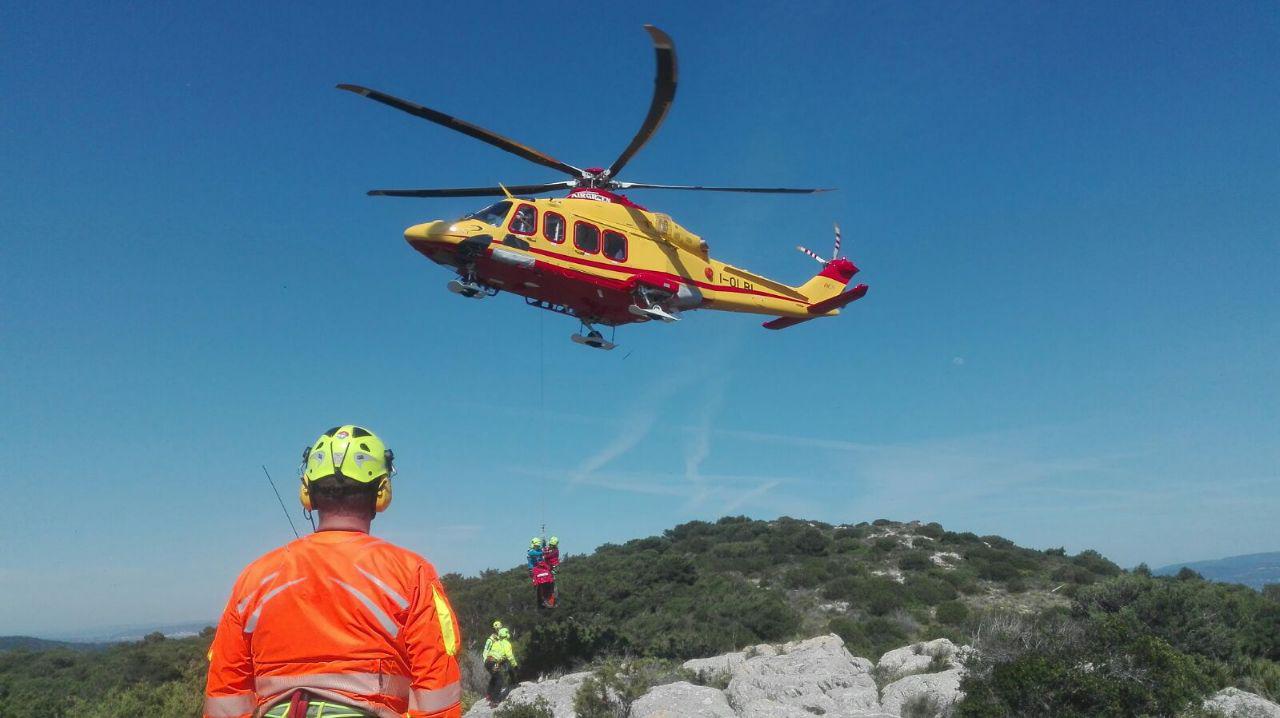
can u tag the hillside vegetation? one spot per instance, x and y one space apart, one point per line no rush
704 588
1073 633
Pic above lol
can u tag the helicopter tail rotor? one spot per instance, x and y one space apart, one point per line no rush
835 253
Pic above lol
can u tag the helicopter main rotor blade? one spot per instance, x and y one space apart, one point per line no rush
517 189
664 92
700 188
466 128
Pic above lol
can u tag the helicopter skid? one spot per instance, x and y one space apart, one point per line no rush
595 342
470 290
653 313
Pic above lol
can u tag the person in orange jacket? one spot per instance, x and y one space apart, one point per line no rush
338 622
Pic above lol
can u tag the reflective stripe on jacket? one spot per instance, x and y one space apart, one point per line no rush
346 616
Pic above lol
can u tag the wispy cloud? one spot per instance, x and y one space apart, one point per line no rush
698 447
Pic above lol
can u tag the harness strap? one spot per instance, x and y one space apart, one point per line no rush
298 705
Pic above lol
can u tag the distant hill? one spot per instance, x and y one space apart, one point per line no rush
1254 570
704 588
28 643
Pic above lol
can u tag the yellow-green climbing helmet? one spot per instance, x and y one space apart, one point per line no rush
553 541
351 451
535 542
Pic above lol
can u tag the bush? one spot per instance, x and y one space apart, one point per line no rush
952 613
933 530
1093 562
928 590
810 542
539 708
809 574
871 638
1114 670
915 561
884 544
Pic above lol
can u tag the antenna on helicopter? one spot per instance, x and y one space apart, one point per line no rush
835 253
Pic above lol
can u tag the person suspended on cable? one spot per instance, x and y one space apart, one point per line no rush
535 553
551 554
544 585
337 622
499 659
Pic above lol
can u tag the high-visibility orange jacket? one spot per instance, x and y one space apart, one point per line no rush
345 616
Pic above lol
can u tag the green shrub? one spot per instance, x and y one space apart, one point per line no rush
809 542
915 561
870 638
539 708
884 544
952 613
928 590
995 570
932 529
1093 562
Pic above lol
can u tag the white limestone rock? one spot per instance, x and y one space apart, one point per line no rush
805 678
726 664
1235 703
942 690
917 657
558 693
682 700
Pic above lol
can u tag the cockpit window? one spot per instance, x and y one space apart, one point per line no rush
494 215
525 220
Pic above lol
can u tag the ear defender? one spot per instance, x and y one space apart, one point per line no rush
304 495
383 499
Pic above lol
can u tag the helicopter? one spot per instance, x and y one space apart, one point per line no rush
597 256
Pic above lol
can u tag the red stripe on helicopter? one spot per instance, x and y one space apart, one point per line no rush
673 277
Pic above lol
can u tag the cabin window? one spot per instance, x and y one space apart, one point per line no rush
553 227
492 215
525 220
615 246
586 237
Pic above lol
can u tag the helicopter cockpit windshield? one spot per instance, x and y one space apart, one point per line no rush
494 215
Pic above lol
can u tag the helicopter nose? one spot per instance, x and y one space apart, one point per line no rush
426 232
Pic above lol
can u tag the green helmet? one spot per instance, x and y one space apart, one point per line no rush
553 541
504 633
535 542
497 625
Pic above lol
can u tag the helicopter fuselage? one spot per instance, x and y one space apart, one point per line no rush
592 253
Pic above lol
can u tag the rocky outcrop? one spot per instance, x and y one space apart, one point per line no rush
1235 703
918 658
709 668
558 694
805 678
682 700
937 691
802 679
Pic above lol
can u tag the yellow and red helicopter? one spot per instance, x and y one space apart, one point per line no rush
594 254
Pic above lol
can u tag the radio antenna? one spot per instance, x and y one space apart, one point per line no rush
282 507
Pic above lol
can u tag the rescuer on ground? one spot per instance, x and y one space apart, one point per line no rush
493 636
338 623
499 658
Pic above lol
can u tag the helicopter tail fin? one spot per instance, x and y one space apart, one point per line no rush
830 282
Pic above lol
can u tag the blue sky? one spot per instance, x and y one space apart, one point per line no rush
1067 215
